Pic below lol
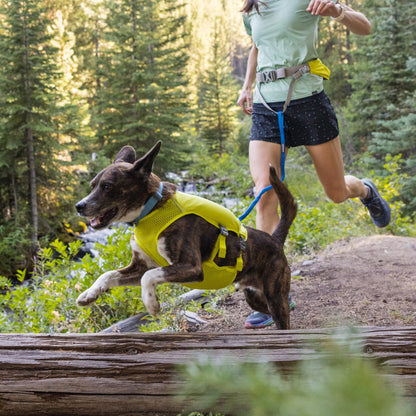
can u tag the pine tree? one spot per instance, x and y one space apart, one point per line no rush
397 138
217 94
382 82
143 98
38 122
383 106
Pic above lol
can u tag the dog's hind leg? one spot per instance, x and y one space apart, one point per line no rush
256 300
276 290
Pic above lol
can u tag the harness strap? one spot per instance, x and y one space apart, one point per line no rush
222 250
292 71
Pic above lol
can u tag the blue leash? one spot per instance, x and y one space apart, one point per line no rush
282 143
254 203
282 168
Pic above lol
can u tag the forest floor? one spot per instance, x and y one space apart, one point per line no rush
367 281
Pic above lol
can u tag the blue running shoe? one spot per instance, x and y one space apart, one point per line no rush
377 207
261 320
292 303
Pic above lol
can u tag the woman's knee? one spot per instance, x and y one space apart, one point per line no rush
337 195
351 187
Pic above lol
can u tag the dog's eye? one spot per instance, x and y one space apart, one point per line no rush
106 187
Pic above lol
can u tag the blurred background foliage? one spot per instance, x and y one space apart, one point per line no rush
79 79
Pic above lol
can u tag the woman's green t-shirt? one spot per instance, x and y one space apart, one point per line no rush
285 34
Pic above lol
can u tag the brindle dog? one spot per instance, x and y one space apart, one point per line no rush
119 193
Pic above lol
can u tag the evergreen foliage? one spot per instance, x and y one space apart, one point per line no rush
143 95
216 95
107 73
383 81
39 122
340 382
397 138
382 106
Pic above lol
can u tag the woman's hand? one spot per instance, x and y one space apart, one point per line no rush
323 8
245 101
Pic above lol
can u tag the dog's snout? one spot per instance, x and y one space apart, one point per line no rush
80 206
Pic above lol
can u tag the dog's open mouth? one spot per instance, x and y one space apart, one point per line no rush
102 221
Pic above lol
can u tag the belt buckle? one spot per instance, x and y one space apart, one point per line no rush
270 76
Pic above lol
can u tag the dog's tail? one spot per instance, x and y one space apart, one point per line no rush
288 207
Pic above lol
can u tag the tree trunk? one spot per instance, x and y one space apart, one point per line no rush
137 374
29 137
32 186
15 211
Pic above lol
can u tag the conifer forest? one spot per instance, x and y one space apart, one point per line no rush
81 78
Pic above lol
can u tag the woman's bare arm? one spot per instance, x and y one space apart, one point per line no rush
245 100
355 21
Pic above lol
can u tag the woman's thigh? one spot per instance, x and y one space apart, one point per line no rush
261 155
329 166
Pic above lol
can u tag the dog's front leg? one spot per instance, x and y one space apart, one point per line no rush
127 276
101 285
168 274
150 280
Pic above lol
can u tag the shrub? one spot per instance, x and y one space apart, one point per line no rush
339 383
47 301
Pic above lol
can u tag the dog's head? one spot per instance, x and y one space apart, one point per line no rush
119 192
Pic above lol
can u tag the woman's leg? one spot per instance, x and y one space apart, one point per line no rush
329 166
261 155
327 158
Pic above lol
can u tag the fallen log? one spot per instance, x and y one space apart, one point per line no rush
136 374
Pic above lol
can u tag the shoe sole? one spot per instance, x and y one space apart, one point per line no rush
256 326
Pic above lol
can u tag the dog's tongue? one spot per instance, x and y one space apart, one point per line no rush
95 222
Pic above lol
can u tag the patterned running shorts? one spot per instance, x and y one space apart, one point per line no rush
307 121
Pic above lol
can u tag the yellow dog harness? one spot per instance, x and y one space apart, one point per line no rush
149 228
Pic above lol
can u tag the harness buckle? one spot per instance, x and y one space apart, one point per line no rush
301 71
223 231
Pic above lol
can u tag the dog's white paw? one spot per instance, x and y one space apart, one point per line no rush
101 285
87 297
151 303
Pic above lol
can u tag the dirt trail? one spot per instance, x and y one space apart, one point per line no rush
367 281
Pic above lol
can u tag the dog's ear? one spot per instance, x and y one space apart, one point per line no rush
145 163
126 154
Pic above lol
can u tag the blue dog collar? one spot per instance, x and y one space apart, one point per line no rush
150 204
